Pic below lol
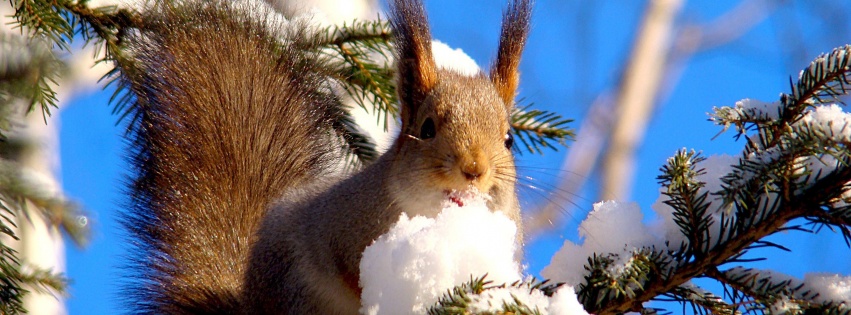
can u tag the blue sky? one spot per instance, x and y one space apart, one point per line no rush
575 51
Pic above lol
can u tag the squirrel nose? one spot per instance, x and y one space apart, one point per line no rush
472 170
473 166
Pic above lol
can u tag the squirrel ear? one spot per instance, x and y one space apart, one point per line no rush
512 38
417 72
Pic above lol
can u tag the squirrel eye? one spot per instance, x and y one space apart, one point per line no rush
509 140
427 130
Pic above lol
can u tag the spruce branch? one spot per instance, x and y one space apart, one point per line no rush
461 299
700 300
359 53
823 81
28 67
16 281
741 233
458 300
59 20
764 290
361 50
537 129
43 280
45 19
18 188
679 178
11 286
22 196
793 167
611 277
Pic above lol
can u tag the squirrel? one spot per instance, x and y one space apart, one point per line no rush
237 207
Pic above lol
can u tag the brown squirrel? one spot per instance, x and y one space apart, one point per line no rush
236 205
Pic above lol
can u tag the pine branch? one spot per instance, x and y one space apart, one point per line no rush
458 299
28 67
700 300
823 81
741 233
777 179
764 290
361 50
18 188
43 280
679 177
59 20
826 78
538 129
461 299
608 278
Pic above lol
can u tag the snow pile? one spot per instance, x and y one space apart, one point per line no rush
406 270
831 287
453 59
829 120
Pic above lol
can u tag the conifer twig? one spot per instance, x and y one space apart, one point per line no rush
537 129
768 188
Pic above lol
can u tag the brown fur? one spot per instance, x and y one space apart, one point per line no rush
232 125
220 117
512 38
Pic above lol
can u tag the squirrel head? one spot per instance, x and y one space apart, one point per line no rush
455 131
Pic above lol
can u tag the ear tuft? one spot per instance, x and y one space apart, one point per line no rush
417 72
515 28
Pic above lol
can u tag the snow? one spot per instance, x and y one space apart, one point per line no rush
407 269
815 287
747 109
784 306
829 120
492 300
756 108
564 301
831 287
122 4
611 227
453 59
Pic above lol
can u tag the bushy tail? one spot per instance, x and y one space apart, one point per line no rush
229 117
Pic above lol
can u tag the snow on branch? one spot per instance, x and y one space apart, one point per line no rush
713 211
